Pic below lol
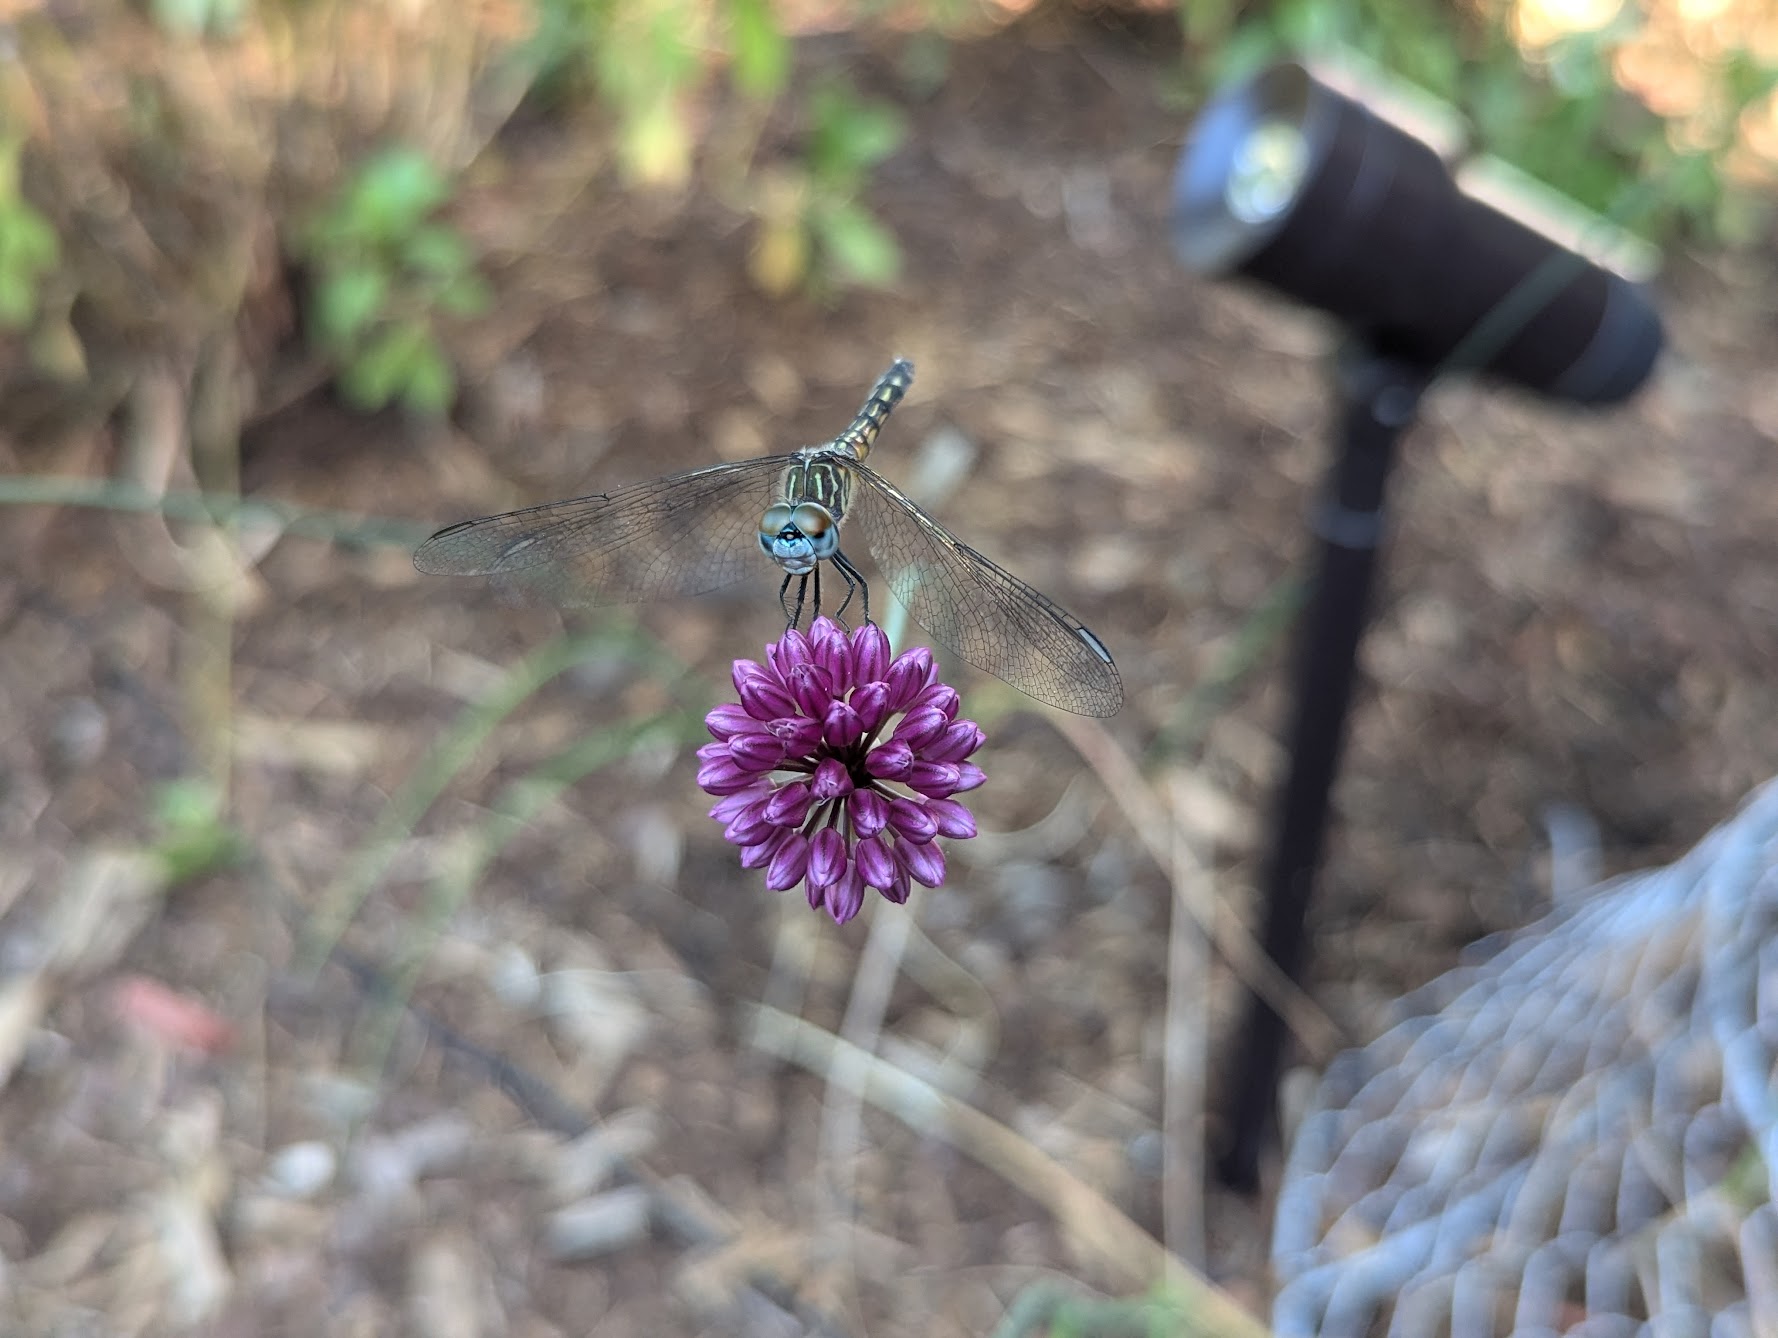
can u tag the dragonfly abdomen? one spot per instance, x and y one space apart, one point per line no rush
887 393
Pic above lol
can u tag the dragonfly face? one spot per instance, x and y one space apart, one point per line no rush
802 526
705 529
797 537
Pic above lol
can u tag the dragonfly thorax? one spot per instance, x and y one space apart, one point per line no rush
797 537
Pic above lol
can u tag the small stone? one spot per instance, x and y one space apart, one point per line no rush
600 1225
514 977
1145 1152
80 733
302 1170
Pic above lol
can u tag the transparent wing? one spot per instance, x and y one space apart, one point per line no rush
987 615
680 535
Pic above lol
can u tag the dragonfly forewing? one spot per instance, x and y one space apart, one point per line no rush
686 534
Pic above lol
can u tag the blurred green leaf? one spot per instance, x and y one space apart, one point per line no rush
437 251
380 372
347 302
1437 65
466 295
402 362
860 249
1309 26
1558 112
1746 78
186 17
1693 180
642 50
197 18
1499 105
194 836
555 51
376 254
761 51
28 250
329 233
1253 47
30 241
1578 68
431 385
850 135
393 194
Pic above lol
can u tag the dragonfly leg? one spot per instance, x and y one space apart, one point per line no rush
784 600
793 616
855 585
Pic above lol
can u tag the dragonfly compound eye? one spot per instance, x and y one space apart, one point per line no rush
773 525
815 523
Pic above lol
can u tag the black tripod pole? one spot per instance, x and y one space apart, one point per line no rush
1378 398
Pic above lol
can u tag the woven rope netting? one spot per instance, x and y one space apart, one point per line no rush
1577 1135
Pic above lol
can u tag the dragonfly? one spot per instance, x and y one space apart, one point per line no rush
704 529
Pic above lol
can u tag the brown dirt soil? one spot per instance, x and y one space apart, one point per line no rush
580 1131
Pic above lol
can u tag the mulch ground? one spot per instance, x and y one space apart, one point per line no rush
584 1126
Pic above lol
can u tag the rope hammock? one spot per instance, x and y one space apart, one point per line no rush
1577 1135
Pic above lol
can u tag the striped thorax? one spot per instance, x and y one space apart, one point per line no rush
802 527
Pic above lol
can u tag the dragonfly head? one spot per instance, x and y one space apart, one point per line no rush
797 537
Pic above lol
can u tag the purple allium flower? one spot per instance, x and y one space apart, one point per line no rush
819 783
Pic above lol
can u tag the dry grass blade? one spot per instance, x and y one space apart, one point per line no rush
1099 1234
23 1001
1151 820
1186 1049
108 898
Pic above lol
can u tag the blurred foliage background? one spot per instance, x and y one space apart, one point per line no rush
210 209
209 183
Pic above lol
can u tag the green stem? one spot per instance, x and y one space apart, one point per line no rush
292 518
